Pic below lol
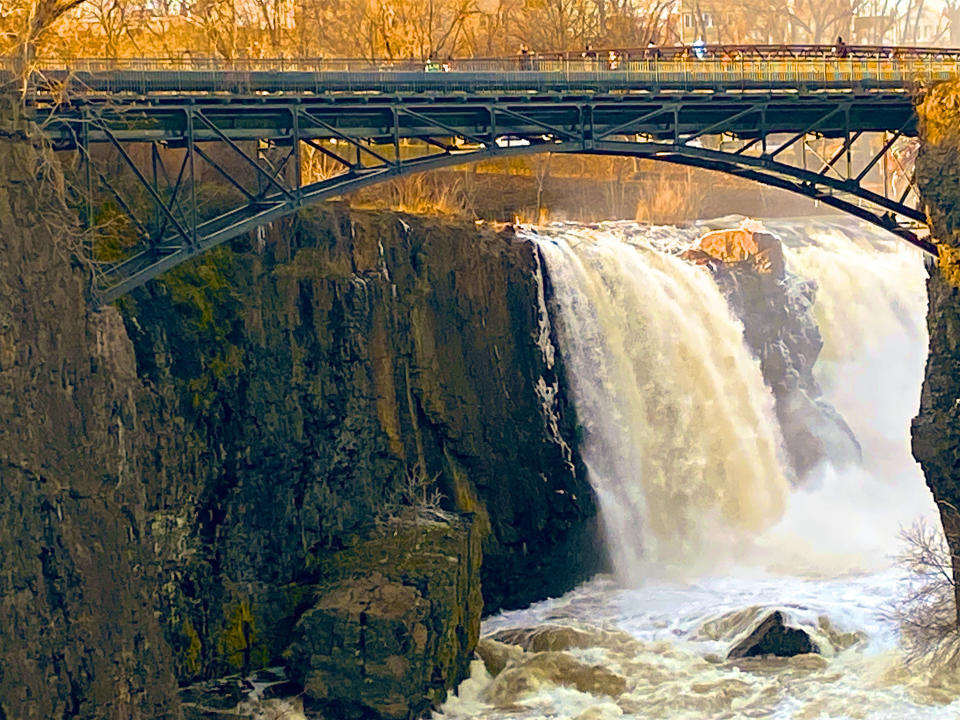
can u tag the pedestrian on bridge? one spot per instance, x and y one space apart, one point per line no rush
700 48
840 49
524 57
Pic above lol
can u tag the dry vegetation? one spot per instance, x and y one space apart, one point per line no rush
927 611
424 29
546 187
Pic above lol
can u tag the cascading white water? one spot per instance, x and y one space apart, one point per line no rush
870 309
682 446
679 435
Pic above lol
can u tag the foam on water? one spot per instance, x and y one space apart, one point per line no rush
632 312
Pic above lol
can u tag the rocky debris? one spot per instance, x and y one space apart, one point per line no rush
239 698
776 309
551 668
771 636
214 699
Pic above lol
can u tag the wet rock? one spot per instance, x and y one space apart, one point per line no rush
563 637
771 636
608 711
214 699
776 309
837 639
552 668
498 655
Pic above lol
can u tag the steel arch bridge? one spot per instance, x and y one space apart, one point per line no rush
148 133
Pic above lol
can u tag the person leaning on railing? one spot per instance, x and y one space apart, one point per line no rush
840 49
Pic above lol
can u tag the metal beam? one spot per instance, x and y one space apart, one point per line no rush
378 122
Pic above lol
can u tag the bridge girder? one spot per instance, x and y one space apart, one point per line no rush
258 146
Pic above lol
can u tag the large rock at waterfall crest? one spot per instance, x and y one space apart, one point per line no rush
761 251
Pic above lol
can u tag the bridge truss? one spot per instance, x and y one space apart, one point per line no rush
153 159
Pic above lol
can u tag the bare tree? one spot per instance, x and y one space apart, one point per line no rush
927 613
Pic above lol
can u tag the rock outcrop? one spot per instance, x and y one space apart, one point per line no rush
772 636
776 310
936 429
354 366
395 625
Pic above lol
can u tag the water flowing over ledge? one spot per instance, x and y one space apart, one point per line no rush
678 428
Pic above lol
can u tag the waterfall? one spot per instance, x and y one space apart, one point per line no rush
870 308
678 429
683 448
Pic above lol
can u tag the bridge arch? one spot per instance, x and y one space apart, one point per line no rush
695 115
846 195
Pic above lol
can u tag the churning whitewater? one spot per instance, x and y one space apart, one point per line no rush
707 525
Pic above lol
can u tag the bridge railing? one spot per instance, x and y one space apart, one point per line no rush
206 74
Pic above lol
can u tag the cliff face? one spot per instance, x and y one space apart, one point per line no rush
310 450
78 636
322 383
936 429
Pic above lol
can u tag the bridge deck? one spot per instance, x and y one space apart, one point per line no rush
799 75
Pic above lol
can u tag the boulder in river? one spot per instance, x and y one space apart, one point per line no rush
559 669
771 636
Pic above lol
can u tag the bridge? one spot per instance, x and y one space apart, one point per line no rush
150 133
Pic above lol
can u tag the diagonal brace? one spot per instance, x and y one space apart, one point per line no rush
807 131
253 163
329 153
224 174
722 124
876 158
847 144
533 121
342 136
181 230
443 126
619 129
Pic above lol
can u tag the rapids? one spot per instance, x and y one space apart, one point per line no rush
704 527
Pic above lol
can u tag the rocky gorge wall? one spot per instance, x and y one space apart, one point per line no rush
312 448
344 369
78 634
936 429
